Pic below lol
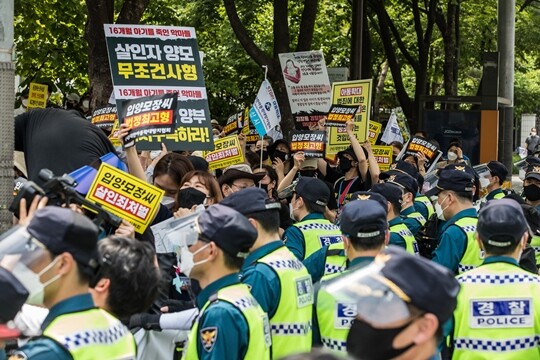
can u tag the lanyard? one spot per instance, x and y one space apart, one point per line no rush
343 195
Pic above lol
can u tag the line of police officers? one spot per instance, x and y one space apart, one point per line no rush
258 297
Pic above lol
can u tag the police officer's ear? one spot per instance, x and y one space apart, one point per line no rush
254 223
66 263
426 326
102 285
524 240
387 237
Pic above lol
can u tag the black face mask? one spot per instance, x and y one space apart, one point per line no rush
264 187
344 165
532 192
190 196
364 342
264 154
278 154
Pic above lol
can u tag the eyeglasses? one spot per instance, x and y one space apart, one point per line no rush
242 187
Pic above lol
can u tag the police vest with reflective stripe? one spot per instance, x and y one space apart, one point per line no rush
318 233
425 200
92 334
535 244
335 261
499 196
416 216
258 327
334 318
402 230
291 324
497 314
472 257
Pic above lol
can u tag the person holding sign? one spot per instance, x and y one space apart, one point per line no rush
498 307
400 235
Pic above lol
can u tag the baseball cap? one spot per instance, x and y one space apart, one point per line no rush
361 219
312 190
239 171
396 278
497 169
231 231
404 180
348 151
63 230
404 167
533 171
455 180
250 200
391 192
368 195
501 223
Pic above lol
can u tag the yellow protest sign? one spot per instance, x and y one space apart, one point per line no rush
374 131
383 155
227 152
357 92
114 133
125 196
37 97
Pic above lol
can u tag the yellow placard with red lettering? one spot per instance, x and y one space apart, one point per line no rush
357 92
374 131
37 97
113 137
125 196
227 151
383 155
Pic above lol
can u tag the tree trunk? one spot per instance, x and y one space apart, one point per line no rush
102 12
379 90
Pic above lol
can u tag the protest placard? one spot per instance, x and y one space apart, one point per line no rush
105 116
308 86
37 97
147 116
227 152
113 137
419 145
264 113
373 131
126 196
148 60
358 93
340 114
310 142
234 124
383 155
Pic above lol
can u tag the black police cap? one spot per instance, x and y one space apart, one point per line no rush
501 223
368 195
313 190
402 179
250 200
497 169
362 219
454 180
392 192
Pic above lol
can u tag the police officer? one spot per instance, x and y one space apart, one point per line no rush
312 231
231 323
332 259
400 235
277 279
457 249
365 234
56 258
498 312
497 175
411 218
422 204
401 302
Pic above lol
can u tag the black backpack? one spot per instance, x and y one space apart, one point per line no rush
427 237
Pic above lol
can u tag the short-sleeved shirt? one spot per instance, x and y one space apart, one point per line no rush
341 185
58 140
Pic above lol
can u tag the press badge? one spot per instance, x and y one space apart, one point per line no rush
329 240
501 313
304 291
345 314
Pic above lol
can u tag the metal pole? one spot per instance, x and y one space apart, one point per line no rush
356 39
506 41
7 101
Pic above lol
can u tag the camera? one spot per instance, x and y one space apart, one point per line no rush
60 190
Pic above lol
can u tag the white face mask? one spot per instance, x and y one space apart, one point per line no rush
522 173
484 182
186 259
439 209
167 201
24 102
86 104
30 280
452 156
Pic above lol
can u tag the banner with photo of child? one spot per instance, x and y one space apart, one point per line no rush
420 145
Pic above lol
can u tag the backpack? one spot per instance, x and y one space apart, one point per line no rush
427 237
